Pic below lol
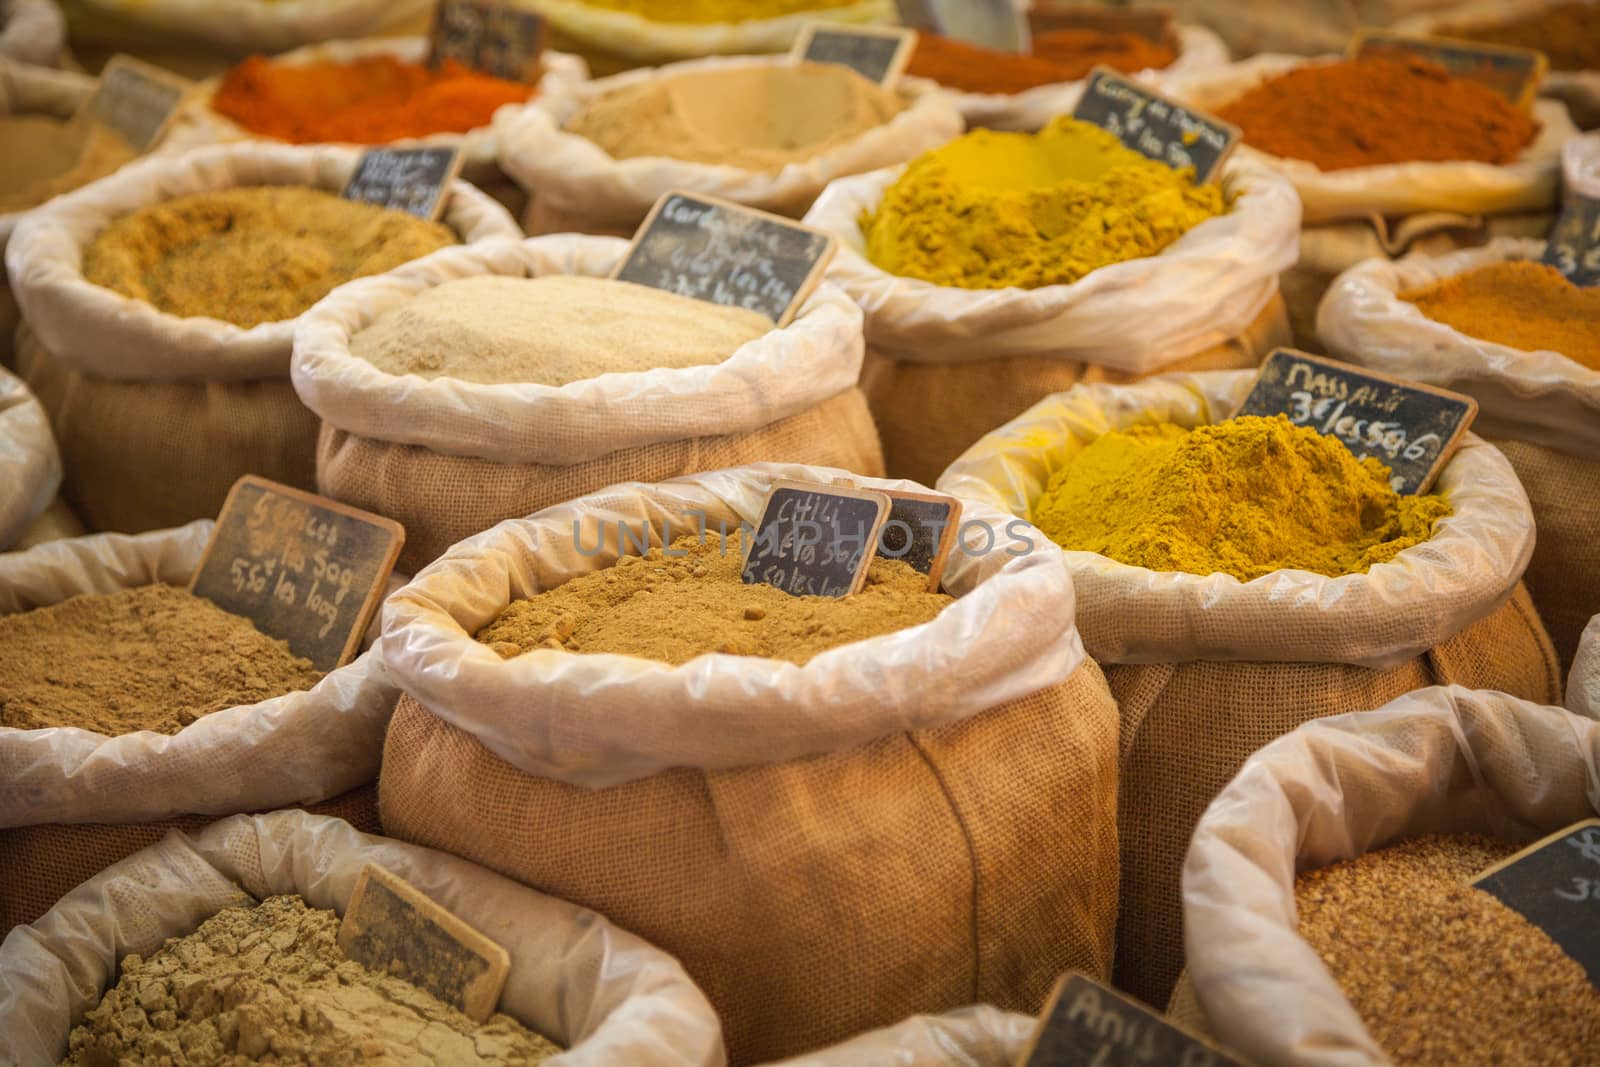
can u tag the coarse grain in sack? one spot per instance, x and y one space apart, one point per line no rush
158 415
722 809
1441 760
576 186
30 465
33 31
979 1036
1207 669
945 365
450 458
603 994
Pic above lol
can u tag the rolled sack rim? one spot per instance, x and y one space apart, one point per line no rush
30 462
33 31
577 718
1469 566
632 35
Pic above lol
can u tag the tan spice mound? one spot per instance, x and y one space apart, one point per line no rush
1442 973
1522 305
270 984
151 658
253 255
674 609
47 156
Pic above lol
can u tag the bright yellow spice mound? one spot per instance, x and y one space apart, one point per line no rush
1527 306
1244 497
715 10
991 210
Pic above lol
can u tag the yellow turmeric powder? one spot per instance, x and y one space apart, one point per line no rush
1522 305
1244 497
991 210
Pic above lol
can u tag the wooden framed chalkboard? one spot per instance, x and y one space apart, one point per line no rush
1573 247
1412 429
490 36
1514 73
1086 1024
305 569
711 250
137 100
814 540
921 529
1151 23
1555 884
1156 126
877 53
412 180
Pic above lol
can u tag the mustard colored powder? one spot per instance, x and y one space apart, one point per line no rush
1522 305
1244 497
991 210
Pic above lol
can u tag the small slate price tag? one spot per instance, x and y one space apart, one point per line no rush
489 36
303 568
137 100
1085 1024
814 540
996 24
1555 884
1412 429
1151 23
877 53
1156 126
921 529
722 253
1574 243
392 927
412 180
1514 73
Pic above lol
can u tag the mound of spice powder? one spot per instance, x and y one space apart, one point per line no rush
1569 34
1375 110
1058 56
372 100
1523 305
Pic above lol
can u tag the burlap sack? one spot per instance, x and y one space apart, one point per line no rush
450 458
978 1036
595 989
295 749
805 839
1208 669
1541 408
575 186
30 466
1442 760
157 415
1583 684
946 365
33 31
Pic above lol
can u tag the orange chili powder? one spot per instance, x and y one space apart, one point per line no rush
373 100
1058 56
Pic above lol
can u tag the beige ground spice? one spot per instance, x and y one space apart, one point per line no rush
151 658
253 255
674 609
270 984
551 331
45 157
1442 973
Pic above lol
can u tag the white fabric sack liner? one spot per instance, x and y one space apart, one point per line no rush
29 90
1580 163
1583 684
253 26
297 748
601 720
1471 188
786 371
1380 619
30 464
575 977
1136 316
1541 396
32 31
103 333
979 1036
572 173
1338 788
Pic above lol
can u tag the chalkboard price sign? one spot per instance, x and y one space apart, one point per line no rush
1412 429
303 568
722 253
1514 73
920 530
1084 1023
392 927
412 180
136 100
877 53
1151 23
1555 884
814 540
1156 126
489 36
1573 247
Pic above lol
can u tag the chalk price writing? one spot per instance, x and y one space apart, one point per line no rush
274 530
1086 1023
1584 889
735 259
1154 126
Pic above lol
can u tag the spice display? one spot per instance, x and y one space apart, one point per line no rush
48 156
270 984
1569 34
715 10
1245 497
1442 973
1375 110
758 117
1520 304
372 100
253 255
551 330
674 608
991 210
1058 56
149 658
